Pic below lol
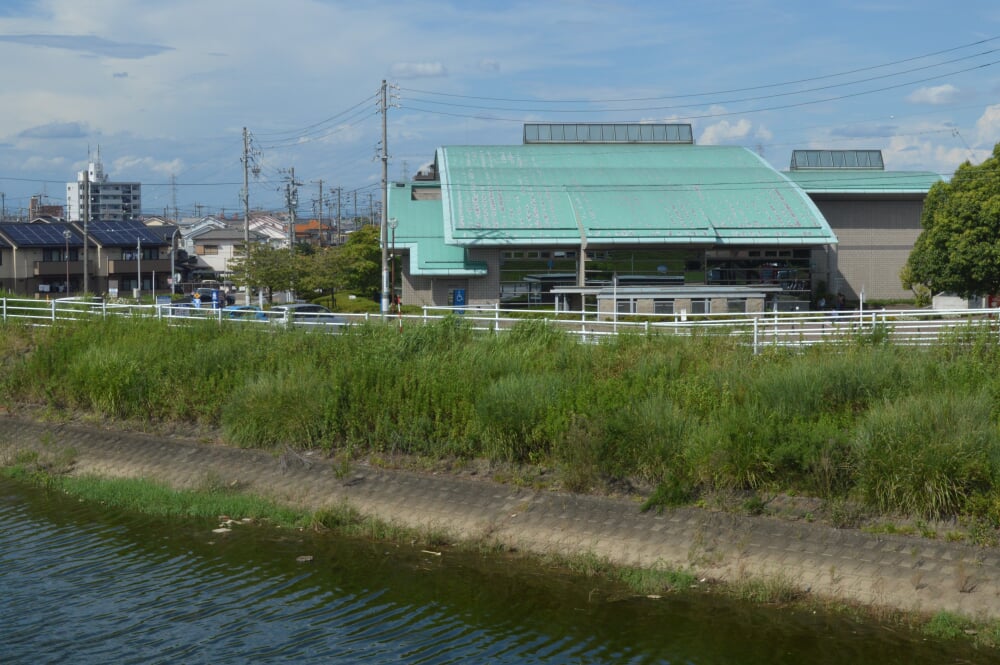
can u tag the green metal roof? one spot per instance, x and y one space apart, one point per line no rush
621 194
847 181
421 231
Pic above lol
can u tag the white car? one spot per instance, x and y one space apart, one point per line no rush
306 314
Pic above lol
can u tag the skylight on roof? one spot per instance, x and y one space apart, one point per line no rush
593 132
837 159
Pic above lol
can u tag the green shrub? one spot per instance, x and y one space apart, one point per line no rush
512 414
928 454
946 625
297 408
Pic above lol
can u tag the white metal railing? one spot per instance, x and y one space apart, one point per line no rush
911 327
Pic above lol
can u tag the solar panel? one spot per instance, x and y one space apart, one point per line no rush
38 235
122 234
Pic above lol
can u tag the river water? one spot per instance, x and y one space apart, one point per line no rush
81 584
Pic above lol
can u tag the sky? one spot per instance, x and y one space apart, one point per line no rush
163 90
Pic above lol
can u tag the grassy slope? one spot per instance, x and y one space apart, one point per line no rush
896 430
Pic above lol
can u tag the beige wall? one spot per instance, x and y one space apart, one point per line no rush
18 270
875 238
485 290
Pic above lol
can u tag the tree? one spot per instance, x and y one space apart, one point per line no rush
268 268
361 262
958 249
320 271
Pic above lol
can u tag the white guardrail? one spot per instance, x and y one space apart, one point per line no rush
908 327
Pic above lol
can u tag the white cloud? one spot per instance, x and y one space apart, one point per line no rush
726 132
38 163
418 69
935 95
939 155
131 164
988 127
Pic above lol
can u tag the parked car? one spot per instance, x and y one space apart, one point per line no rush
210 297
245 312
306 313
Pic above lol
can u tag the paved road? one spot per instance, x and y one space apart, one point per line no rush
904 572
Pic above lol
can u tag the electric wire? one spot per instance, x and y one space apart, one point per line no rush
718 92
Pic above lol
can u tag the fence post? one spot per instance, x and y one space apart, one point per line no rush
52 304
5 309
756 335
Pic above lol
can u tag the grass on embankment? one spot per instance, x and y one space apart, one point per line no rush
895 430
210 500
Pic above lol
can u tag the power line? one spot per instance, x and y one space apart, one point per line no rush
306 129
718 92
722 101
721 114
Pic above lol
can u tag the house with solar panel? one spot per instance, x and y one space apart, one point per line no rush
47 258
40 258
636 219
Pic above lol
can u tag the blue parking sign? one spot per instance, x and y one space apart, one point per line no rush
459 298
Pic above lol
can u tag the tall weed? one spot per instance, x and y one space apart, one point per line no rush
928 454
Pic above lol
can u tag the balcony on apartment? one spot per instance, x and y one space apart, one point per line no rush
54 268
131 266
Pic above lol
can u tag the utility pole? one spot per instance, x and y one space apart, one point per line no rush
86 239
173 195
319 204
338 215
138 268
292 200
384 227
246 215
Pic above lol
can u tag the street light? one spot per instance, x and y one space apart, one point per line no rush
67 235
393 222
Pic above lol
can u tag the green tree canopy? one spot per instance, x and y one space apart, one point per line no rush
355 266
361 261
268 268
320 271
959 248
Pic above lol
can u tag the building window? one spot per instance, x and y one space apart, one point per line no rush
663 307
207 250
700 306
626 306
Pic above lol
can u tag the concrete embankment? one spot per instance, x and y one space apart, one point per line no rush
906 573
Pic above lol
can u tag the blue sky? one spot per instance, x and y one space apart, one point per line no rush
164 88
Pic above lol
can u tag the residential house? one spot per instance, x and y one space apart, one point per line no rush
40 258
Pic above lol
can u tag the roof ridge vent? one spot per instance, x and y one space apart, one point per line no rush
607 132
869 160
